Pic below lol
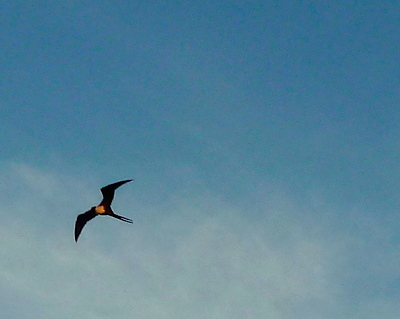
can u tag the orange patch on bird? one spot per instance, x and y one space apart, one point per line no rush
100 209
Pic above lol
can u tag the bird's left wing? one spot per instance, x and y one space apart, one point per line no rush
81 221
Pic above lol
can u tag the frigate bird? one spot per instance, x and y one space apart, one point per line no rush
104 208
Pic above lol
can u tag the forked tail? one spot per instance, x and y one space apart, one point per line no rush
124 219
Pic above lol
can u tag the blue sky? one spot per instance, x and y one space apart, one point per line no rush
262 137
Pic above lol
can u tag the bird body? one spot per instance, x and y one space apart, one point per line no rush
104 208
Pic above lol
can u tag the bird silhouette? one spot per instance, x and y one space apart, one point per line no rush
104 208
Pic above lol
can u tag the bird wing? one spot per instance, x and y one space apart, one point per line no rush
81 221
109 190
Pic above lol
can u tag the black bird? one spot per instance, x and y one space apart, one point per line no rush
104 208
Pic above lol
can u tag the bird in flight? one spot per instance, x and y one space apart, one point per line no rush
104 208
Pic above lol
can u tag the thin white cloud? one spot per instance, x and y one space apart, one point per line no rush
187 264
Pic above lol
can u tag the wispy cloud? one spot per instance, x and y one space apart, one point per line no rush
186 264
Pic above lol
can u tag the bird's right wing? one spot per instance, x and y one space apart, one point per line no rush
109 190
81 221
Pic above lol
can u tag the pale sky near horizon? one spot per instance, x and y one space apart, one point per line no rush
263 137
